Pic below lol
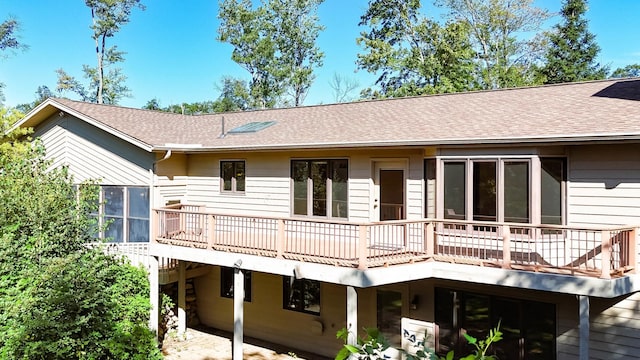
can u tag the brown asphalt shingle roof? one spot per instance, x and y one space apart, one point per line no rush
578 111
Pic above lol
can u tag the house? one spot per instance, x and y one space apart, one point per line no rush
446 213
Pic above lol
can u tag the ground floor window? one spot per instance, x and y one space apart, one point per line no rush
529 327
226 283
124 213
301 295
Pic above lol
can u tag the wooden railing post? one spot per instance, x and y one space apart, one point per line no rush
362 247
633 250
280 239
212 231
155 226
429 239
506 247
606 255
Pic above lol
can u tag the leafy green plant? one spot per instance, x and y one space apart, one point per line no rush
371 347
374 344
482 346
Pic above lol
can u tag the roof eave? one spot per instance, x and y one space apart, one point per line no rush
50 106
547 140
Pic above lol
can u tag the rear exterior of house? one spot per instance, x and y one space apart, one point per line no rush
446 213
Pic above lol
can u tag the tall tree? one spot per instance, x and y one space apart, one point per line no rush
411 53
108 17
297 28
275 43
573 49
497 28
342 87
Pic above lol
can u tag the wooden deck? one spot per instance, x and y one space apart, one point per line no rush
559 249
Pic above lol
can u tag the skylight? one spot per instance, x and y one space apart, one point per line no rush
251 127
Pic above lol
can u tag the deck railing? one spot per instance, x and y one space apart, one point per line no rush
599 252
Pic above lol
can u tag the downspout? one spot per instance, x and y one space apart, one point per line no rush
154 284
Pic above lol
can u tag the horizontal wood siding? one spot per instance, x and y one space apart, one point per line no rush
360 188
266 188
414 198
615 328
604 185
91 153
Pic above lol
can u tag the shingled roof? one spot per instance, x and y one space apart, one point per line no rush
598 110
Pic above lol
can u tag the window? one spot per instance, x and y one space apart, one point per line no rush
233 176
301 295
125 212
552 194
320 187
226 283
496 190
528 327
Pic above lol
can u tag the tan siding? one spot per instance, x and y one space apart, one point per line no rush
615 328
604 185
415 202
266 319
91 153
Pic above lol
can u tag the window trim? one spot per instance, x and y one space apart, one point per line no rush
328 188
469 196
103 217
234 180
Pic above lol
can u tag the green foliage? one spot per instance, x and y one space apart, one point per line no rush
572 53
505 56
107 16
374 344
632 70
412 54
371 347
60 299
275 43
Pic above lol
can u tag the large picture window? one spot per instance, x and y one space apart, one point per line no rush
320 187
233 176
528 327
301 295
496 190
125 213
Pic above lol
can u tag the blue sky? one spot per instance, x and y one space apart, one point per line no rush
173 55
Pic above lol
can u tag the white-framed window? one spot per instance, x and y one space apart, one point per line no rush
124 213
494 189
320 187
232 176
302 295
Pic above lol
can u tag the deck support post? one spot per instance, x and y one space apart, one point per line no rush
606 255
182 294
212 231
154 294
583 342
352 315
238 311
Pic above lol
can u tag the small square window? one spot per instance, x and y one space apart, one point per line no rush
301 295
232 176
226 283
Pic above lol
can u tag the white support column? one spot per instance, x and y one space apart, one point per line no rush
182 294
238 312
154 294
584 327
352 315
